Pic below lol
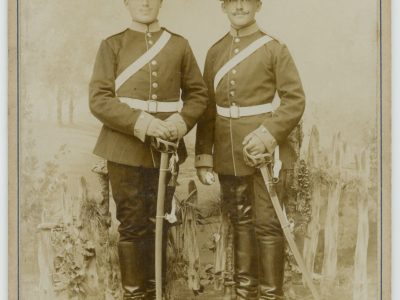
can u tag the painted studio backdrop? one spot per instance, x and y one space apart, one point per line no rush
67 233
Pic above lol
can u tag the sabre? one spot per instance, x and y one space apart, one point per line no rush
264 163
165 148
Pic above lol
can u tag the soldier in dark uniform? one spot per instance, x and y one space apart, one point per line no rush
138 79
243 71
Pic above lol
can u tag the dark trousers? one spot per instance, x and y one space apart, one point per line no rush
134 190
258 236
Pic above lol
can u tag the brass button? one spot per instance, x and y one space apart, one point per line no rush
232 93
234 71
154 73
154 97
236 51
150 42
149 34
155 85
237 40
233 82
154 62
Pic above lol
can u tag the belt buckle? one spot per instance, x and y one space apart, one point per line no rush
234 111
152 106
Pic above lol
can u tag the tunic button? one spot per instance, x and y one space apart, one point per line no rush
232 93
149 34
150 42
155 85
234 71
154 62
154 97
237 40
233 82
236 51
155 74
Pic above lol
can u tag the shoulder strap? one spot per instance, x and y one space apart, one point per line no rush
250 49
143 60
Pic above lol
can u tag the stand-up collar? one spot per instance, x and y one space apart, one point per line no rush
153 27
249 29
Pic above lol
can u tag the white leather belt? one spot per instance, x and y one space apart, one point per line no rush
152 106
235 111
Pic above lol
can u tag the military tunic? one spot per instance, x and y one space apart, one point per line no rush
254 81
171 75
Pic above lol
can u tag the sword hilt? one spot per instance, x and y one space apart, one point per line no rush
261 160
258 160
164 146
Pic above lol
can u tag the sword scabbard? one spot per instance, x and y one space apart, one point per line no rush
266 174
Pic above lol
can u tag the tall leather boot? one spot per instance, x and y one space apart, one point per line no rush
271 262
131 255
150 279
246 264
237 197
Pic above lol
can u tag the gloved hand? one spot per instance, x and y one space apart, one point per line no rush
205 175
176 126
159 129
173 131
253 144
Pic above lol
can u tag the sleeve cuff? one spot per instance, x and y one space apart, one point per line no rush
266 137
203 160
179 123
141 125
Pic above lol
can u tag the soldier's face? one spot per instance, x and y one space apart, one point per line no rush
143 11
241 12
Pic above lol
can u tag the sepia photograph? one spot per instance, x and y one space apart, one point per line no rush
199 149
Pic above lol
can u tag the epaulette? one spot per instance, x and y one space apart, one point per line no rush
274 38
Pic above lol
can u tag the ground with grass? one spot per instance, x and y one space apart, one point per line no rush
77 160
